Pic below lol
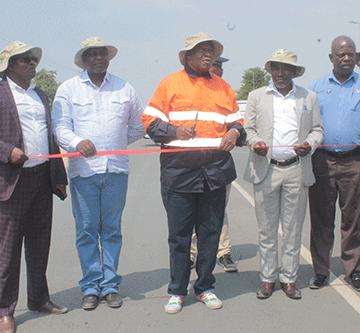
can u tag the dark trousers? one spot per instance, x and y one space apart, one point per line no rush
26 215
336 178
205 211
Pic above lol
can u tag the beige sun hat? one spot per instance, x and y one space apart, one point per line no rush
194 40
285 57
91 43
16 48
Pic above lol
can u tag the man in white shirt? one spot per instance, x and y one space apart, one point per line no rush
26 184
283 125
97 111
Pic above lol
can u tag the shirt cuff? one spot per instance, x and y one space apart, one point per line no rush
74 142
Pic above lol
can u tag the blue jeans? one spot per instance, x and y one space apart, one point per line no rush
98 202
205 211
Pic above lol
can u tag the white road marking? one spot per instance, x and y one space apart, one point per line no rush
335 282
243 192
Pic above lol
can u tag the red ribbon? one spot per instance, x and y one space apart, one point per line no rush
124 152
172 150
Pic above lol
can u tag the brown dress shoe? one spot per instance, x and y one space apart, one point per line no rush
7 324
265 290
291 290
48 307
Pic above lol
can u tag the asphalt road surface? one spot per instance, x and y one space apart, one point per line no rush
145 270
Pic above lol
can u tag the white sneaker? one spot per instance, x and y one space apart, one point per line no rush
210 300
174 304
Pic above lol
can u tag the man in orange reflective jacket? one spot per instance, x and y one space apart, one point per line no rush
194 108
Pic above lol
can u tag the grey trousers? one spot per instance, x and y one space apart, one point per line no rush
280 197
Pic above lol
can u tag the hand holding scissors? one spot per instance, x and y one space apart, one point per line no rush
186 133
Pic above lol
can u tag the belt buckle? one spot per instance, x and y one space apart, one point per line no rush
287 162
277 162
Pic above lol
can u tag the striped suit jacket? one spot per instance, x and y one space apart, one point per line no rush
11 137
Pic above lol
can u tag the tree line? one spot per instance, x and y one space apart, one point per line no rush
253 78
46 80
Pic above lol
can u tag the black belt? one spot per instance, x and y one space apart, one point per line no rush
283 163
36 168
342 154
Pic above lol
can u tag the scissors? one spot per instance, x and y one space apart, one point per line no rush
196 119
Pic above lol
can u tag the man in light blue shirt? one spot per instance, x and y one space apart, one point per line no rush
97 111
337 166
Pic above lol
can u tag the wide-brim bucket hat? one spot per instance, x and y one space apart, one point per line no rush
194 40
285 57
90 43
16 48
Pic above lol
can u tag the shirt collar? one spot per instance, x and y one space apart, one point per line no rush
272 87
354 76
85 77
14 85
193 74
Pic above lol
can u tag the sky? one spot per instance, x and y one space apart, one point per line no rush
150 33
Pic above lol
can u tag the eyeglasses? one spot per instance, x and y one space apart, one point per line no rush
26 59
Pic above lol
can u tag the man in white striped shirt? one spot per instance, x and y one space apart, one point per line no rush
97 111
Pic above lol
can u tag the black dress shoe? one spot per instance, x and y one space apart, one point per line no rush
318 281
355 281
113 300
90 302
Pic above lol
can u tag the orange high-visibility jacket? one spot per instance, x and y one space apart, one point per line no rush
176 101
178 98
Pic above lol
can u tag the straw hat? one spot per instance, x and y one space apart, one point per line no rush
91 43
16 48
285 57
192 41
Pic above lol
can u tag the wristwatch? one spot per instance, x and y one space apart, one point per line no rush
237 131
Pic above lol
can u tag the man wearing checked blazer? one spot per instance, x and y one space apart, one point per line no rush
283 127
26 185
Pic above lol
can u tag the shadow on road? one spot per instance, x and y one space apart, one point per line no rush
244 251
136 284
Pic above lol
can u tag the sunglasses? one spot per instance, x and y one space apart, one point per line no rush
26 59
